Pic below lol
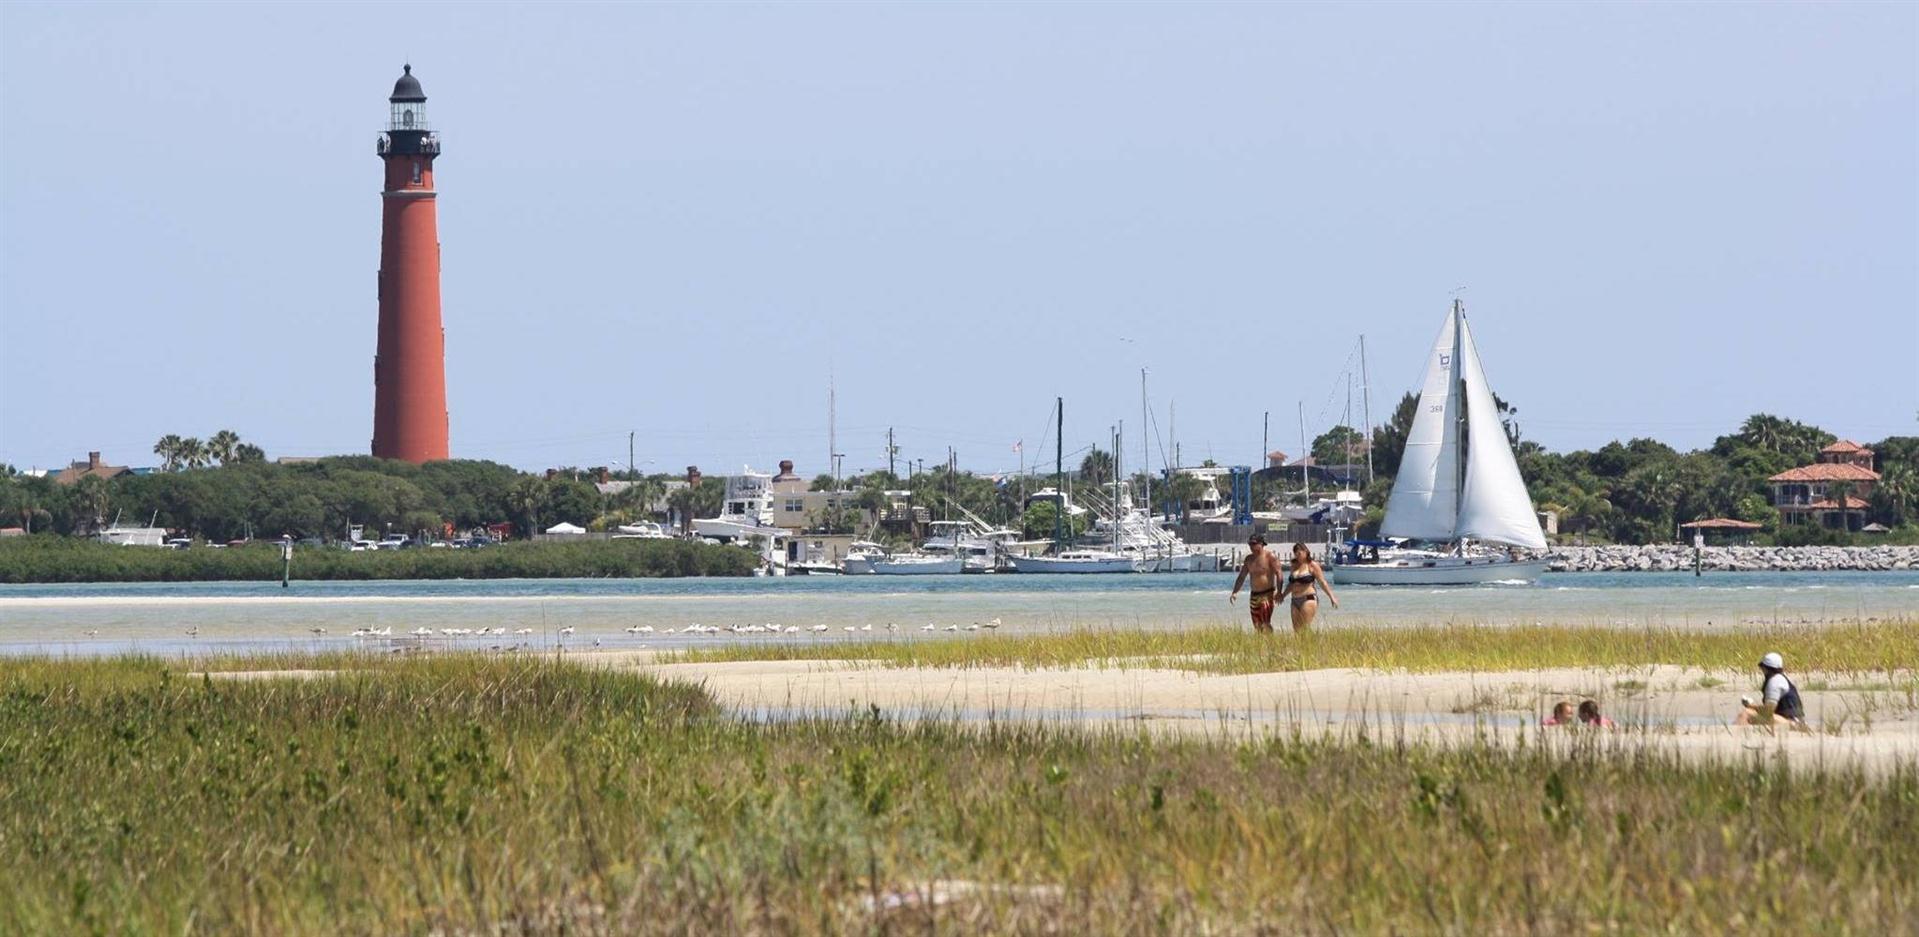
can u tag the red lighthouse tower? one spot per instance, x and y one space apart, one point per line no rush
409 368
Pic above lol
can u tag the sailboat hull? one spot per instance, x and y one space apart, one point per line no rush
919 566
1438 571
1099 564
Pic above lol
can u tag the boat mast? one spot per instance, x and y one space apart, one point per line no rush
1146 454
1059 469
1459 393
1306 455
1366 405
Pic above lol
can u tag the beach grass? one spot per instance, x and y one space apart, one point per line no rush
466 794
1865 647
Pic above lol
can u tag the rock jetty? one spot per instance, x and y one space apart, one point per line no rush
1671 557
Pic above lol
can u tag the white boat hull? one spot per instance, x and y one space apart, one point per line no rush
1055 564
857 565
1437 571
943 566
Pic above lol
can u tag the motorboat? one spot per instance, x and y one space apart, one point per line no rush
1459 512
746 519
641 530
860 556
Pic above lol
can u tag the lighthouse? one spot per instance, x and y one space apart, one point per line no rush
409 364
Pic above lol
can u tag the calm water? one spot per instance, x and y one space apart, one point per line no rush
155 617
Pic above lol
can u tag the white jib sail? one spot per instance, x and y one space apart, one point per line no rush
1425 494
1494 505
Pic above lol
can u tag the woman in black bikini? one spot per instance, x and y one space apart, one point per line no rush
1301 582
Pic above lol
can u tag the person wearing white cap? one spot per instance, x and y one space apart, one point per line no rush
1780 704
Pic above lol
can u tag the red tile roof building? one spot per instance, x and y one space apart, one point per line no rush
1811 493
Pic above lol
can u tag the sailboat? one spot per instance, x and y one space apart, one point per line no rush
1458 488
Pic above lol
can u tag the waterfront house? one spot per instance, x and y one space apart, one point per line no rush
1831 492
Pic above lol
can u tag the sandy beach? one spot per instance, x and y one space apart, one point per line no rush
1857 719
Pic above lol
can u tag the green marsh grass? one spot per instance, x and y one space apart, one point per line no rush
463 794
1847 648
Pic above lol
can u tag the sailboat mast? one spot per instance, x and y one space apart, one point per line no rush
1459 394
1059 469
1366 405
1305 480
1145 446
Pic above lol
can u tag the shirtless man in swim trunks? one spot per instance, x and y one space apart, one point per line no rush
1264 567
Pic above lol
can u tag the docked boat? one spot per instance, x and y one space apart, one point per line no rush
642 530
1459 511
1083 561
919 564
860 556
746 519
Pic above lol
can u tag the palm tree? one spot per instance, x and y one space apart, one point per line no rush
1837 493
93 499
193 452
1896 497
220 446
248 452
525 498
1097 467
1765 431
168 449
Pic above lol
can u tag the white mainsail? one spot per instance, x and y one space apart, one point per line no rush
1430 499
1424 502
1493 505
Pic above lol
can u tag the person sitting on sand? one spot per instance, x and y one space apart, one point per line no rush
1589 715
1263 566
1779 704
1562 714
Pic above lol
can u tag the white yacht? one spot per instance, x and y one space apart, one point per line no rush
746 514
641 530
860 556
1458 487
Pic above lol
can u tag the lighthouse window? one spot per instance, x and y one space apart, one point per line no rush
416 172
406 118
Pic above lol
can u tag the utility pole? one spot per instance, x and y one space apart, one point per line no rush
891 451
832 428
1265 437
630 467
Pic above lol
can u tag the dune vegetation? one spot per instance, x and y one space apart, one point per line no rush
467 794
1861 647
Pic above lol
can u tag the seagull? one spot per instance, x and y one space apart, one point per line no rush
193 632
892 626
596 642
993 624
929 626
567 630
866 627
522 631
973 627
633 630
644 629
323 631
792 629
670 631
952 628
93 632
422 632
849 629
819 627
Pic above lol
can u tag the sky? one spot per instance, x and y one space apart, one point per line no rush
685 222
